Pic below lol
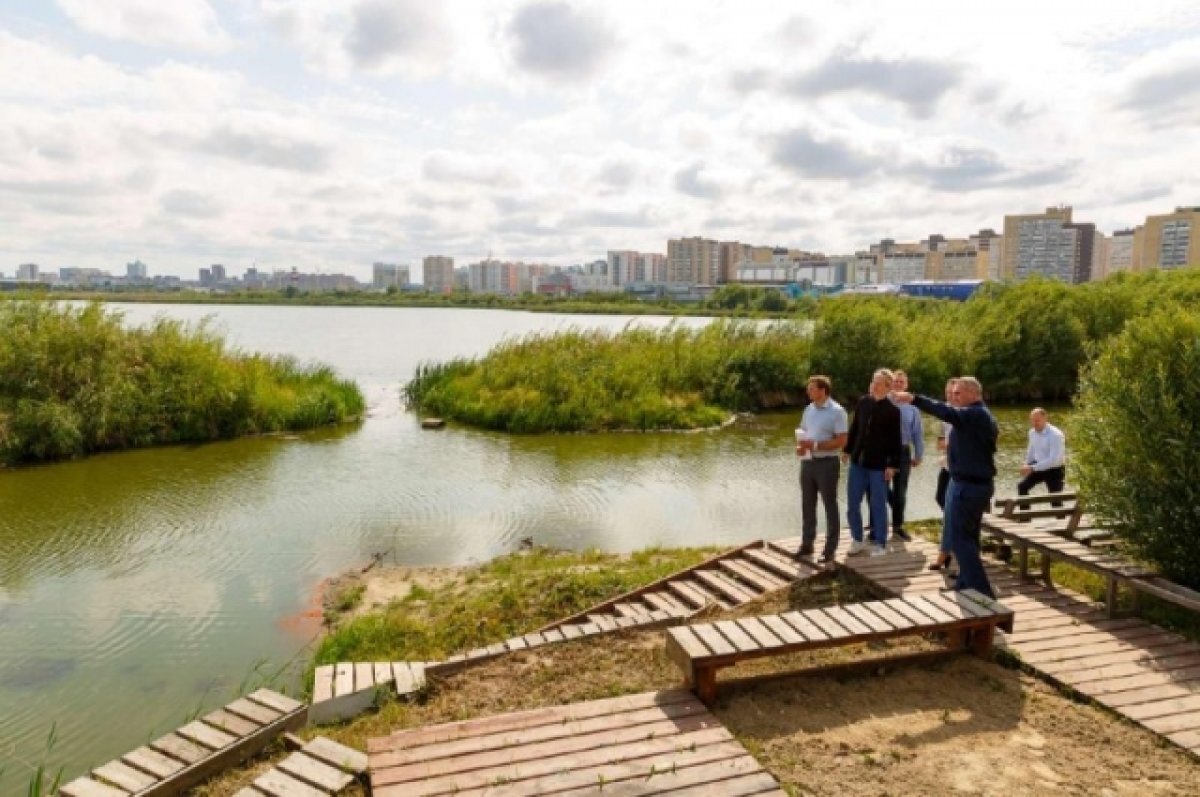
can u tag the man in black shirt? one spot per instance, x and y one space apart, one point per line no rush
873 449
971 460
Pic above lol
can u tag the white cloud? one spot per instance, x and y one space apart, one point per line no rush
186 24
334 134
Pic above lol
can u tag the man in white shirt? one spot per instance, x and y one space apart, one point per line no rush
825 425
1046 457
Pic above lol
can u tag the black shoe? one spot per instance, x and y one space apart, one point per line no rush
826 559
902 534
944 565
805 550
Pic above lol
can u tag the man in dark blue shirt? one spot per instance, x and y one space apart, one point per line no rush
971 460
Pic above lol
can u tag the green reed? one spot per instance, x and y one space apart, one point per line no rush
74 380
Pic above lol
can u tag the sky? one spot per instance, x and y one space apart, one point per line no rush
328 135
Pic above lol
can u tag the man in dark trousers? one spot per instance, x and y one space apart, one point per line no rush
873 448
971 457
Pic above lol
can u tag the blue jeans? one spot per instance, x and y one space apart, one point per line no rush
864 481
965 505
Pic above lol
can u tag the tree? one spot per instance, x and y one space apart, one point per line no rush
1136 432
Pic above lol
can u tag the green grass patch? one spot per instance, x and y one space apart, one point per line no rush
75 380
507 597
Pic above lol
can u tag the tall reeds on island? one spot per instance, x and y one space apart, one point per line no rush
74 380
670 378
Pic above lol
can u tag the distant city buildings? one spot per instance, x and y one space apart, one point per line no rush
137 271
388 275
27 272
438 274
693 261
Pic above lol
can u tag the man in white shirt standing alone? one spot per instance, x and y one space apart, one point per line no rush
1046 457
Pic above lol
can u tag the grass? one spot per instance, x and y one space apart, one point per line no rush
506 597
75 380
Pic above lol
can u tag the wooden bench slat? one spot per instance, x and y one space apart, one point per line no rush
804 626
714 641
864 615
897 620
933 609
689 641
781 629
907 610
736 636
853 626
760 633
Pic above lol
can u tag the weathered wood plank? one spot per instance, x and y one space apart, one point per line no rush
271 699
337 755
179 748
86 787
232 724
206 735
279 784
343 678
152 762
315 773
124 776
323 683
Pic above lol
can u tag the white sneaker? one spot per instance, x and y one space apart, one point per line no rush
856 548
879 550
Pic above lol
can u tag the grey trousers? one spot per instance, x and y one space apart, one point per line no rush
819 477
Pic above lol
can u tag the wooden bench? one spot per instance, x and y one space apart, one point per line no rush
1116 570
968 618
1064 506
197 751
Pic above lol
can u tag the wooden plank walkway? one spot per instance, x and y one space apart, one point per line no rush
654 743
1139 670
195 752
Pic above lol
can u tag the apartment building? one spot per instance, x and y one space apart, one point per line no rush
437 273
693 261
388 275
730 255
1048 244
1172 240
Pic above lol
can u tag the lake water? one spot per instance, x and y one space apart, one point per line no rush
139 588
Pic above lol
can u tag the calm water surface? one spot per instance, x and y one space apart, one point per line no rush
139 588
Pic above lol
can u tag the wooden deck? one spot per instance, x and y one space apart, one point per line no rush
1142 672
654 743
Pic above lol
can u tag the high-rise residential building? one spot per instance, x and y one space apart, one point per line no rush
27 272
730 255
218 273
693 261
1118 252
1047 244
206 277
388 275
1172 240
136 271
438 273
623 267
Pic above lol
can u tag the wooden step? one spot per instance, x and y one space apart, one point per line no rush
777 563
664 600
697 593
752 575
726 586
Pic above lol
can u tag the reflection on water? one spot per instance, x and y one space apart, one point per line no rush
138 588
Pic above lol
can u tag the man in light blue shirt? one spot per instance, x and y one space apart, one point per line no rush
1046 456
819 440
913 438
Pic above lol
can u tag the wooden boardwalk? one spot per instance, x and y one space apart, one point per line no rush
654 743
729 579
1142 672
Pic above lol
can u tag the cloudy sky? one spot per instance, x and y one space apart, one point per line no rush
328 135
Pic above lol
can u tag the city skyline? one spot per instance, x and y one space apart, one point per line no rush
307 135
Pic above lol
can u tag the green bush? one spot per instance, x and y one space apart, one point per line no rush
74 380
1136 434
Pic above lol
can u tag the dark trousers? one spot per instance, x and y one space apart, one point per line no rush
819 477
897 491
1053 478
942 483
965 505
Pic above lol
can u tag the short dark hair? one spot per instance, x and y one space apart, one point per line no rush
821 381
